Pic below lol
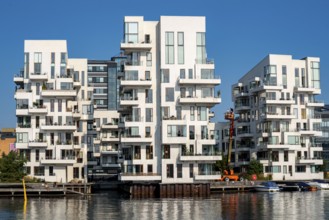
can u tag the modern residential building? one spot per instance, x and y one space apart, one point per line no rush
166 94
103 129
52 111
323 112
276 120
145 114
7 140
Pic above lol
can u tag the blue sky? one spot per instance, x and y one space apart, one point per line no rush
239 34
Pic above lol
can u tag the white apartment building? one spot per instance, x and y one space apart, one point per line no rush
52 110
276 123
167 90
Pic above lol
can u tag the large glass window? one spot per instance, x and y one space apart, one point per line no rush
284 76
148 59
179 170
169 48
176 130
149 114
201 48
37 63
315 66
270 76
170 94
131 75
131 32
180 49
165 76
207 73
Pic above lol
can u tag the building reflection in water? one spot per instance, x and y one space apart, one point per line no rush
295 205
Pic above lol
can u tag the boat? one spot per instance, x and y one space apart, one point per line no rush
268 186
320 184
305 186
290 187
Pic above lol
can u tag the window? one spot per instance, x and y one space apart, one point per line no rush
170 171
284 76
76 172
150 168
270 76
297 77
149 152
63 58
129 75
131 32
207 74
192 133
148 59
286 156
22 137
272 169
39 171
176 131
315 68
149 114
37 88
148 132
202 113
191 170
165 75
182 74
147 75
37 63
37 155
192 113
52 58
180 49
52 105
170 94
166 152
293 140
207 92
26 65
179 170
52 72
51 171
148 95
190 73
165 112
201 48
300 169
137 151
59 105
169 48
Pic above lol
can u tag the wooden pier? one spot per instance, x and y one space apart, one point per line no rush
38 189
230 187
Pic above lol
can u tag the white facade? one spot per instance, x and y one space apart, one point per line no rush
277 124
167 91
49 104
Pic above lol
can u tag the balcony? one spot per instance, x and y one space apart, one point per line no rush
129 46
110 126
244 133
200 157
39 109
22 110
208 101
109 150
211 80
277 101
58 127
59 93
266 86
305 131
19 78
207 175
206 139
110 165
136 83
38 144
139 177
129 101
239 107
314 103
307 90
110 139
274 115
64 160
38 76
76 83
135 139
307 160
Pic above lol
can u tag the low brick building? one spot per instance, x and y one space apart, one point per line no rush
7 140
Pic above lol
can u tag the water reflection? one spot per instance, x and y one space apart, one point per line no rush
297 205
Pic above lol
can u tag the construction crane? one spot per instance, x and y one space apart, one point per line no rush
229 173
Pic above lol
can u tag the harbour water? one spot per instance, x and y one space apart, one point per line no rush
111 205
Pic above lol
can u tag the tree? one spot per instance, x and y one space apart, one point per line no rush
221 165
11 167
255 167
